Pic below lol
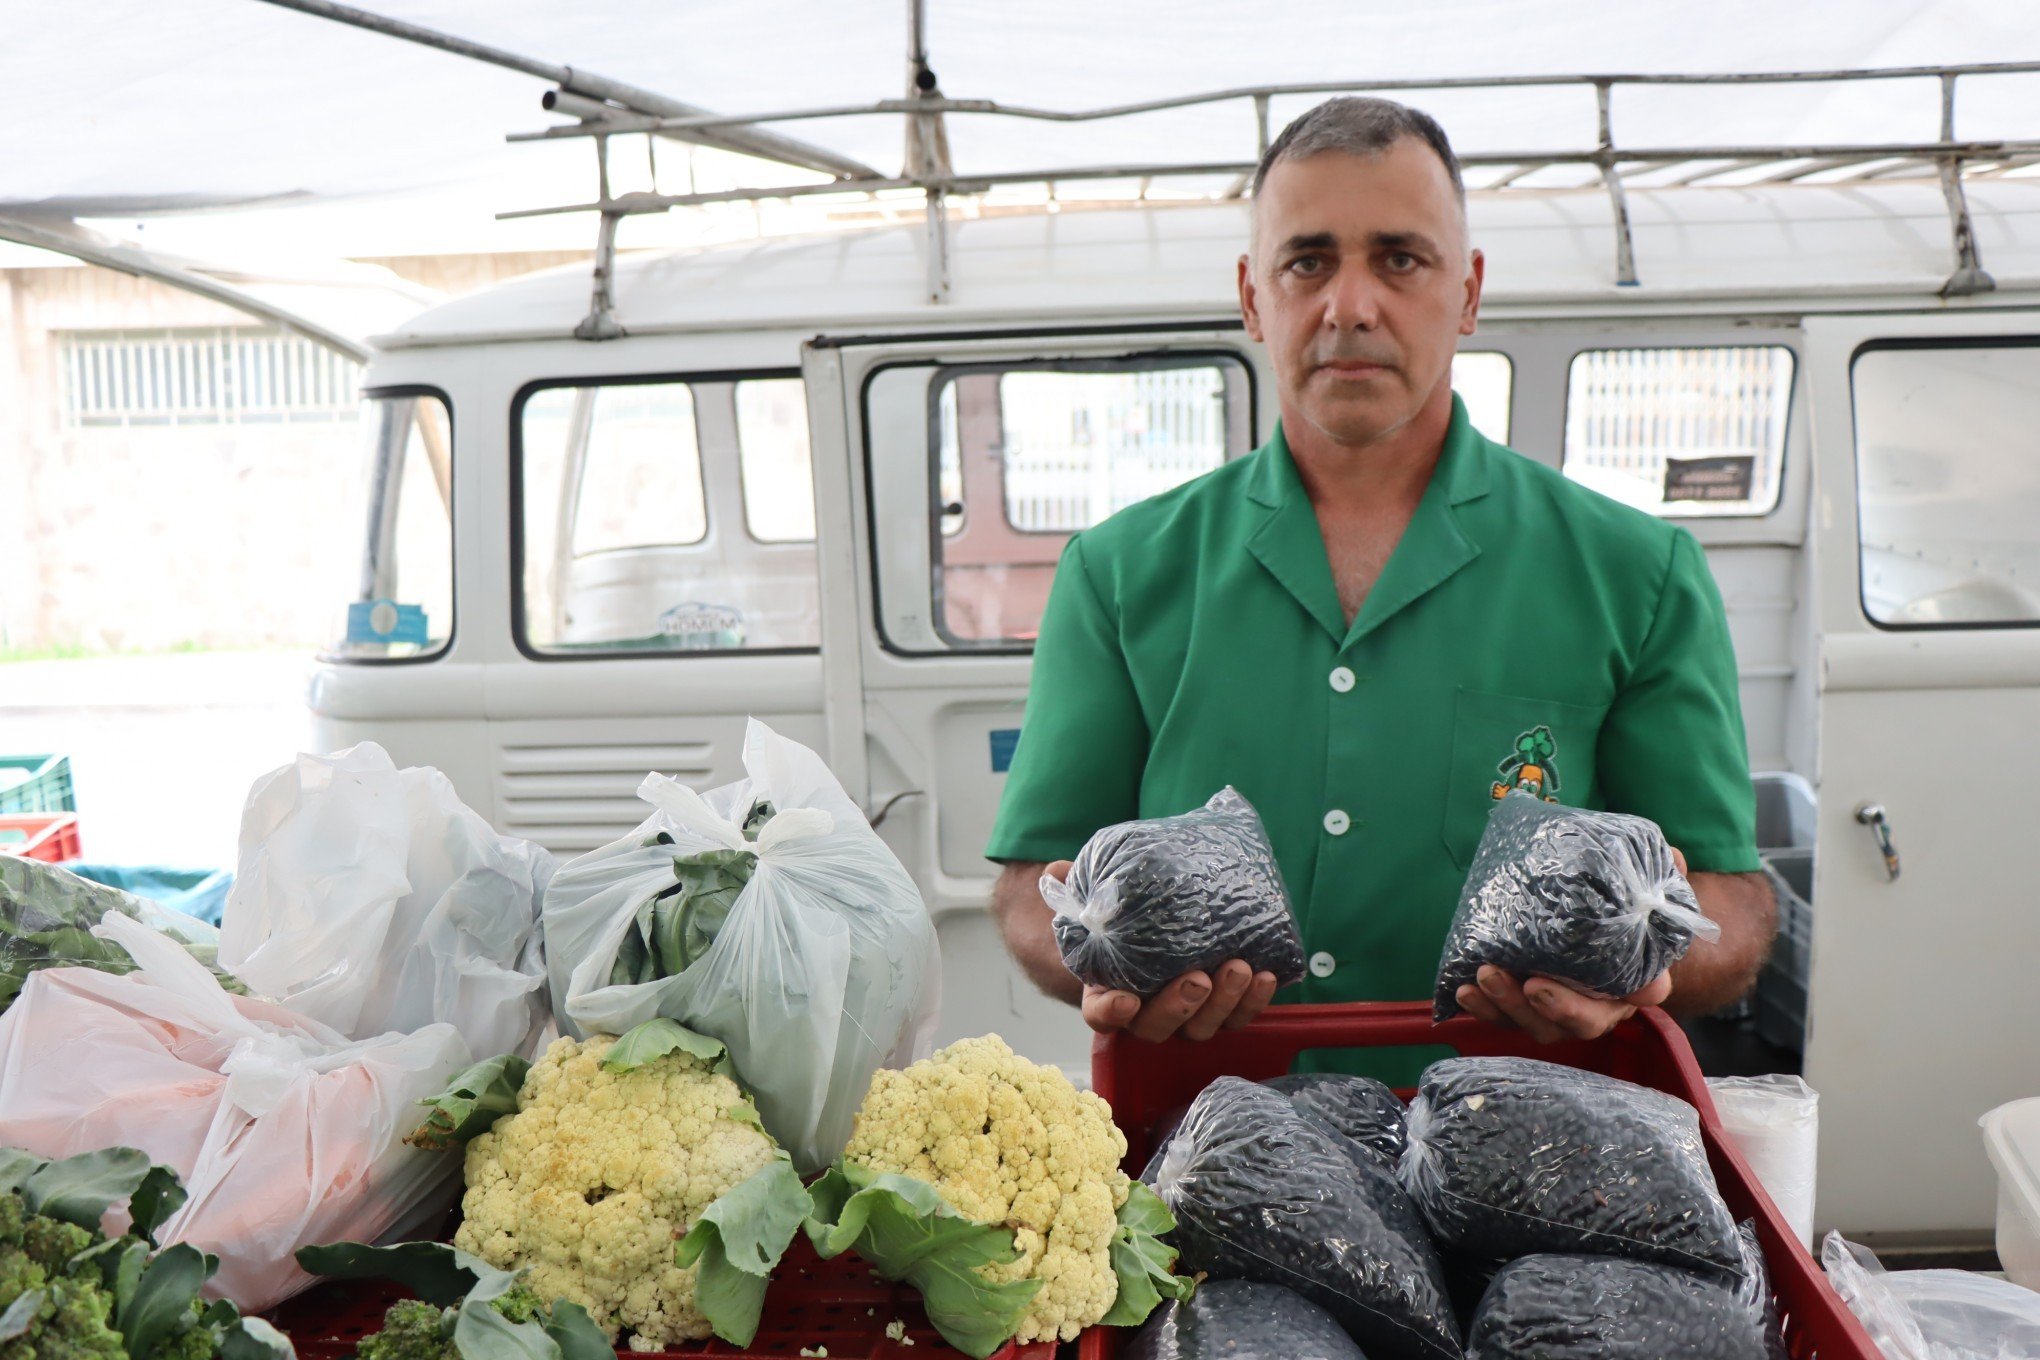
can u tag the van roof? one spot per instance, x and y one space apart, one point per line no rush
1757 244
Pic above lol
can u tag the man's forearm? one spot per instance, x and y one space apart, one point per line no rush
1719 973
1024 921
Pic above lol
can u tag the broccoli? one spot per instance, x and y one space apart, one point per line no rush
71 1323
416 1330
51 1242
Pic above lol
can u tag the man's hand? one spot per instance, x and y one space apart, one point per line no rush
1551 1011
1196 1005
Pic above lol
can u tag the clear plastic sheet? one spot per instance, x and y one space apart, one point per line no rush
1242 1320
1149 901
1263 1192
1589 899
1561 1307
1933 1314
1359 1108
1510 1157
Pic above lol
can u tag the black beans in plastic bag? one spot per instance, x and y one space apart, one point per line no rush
1360 1108
1509 1157
1149 901
1263 1192
1561 1307
1590 899
1755 1291
1242 1320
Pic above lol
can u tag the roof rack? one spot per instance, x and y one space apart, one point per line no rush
603 109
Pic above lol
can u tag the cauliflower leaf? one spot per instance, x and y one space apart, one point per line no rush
736 1243
1143 1263
472 1101
907 1231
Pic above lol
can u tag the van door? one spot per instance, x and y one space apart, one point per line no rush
969 461
1924 1008
663 589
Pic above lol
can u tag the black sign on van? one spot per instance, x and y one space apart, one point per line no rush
1718 477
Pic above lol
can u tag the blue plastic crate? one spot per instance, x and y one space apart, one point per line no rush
31 784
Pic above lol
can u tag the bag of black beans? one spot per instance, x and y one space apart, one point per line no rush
1590 899
1359 1108
1262 1191
1510 1157
1241 1320
1149 901
1562 1307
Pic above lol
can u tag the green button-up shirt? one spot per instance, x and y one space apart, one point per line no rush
1525 630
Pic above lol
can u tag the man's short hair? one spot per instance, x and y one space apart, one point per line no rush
1359 126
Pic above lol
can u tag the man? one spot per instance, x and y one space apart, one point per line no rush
1373 626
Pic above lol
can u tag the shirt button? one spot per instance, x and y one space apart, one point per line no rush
1337 822
1323 965
1342 679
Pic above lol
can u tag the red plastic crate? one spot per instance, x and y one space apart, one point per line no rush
1146 1082
839 1304
52 837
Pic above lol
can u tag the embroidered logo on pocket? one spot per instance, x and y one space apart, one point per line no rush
1531 767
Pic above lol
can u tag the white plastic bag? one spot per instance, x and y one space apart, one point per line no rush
1775 1122
825 969
373 900
286 1133
1933 1314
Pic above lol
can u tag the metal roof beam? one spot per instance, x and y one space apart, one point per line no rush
64 237
748 141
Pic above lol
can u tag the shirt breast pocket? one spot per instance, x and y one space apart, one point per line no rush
1509 741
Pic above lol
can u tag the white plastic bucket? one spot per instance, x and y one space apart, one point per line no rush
2011 1135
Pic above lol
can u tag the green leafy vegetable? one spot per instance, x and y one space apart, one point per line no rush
158 1307
160 1195
907 1231
737 1242
1143 1263
437 1273
471 1102
576 1334
110 1298
81 1189
46 920
469 1311
655 1038
251 1338
676 927
20 1313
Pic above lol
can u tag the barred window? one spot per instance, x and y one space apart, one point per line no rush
1681 431
216 375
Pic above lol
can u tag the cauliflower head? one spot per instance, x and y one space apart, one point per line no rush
1010 1143
591 1182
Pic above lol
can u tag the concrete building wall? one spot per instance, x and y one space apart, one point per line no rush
152 537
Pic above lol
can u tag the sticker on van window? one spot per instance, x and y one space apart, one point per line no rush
1716 477
377 621
1005 741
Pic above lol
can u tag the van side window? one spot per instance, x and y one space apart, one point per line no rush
1947 485
1681 433
665 516
1028 455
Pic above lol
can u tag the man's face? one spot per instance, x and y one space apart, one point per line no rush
1360 283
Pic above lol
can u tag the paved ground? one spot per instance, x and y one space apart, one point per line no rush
163 748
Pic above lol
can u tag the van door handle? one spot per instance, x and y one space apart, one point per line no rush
1872 816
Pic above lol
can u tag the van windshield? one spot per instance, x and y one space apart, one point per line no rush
402 605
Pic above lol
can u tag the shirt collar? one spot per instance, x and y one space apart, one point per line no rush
1433 548
1462 465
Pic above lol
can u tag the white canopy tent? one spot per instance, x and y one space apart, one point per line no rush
238 130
